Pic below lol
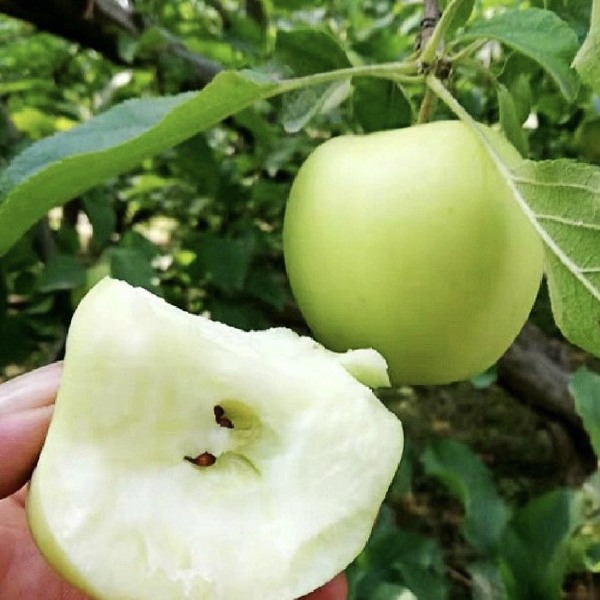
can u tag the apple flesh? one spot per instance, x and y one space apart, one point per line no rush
187 459
410 242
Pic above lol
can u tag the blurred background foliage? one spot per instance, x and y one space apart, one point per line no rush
487 502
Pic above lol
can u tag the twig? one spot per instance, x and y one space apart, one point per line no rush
427 105
431 16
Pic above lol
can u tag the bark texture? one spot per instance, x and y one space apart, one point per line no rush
101 25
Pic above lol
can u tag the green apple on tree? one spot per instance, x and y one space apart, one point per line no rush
188 459
410 242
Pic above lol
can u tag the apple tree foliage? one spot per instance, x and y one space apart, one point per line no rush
122 167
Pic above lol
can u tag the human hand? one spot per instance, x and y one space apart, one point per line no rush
26 405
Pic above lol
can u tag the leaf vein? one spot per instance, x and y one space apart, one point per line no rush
567 221
556 184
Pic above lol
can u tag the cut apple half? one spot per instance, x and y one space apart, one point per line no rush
190 460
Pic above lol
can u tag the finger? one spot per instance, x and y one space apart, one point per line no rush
25 411
22 435
31 390
336 589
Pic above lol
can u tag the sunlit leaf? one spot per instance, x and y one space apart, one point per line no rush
60 167
538 34
587 61
563 199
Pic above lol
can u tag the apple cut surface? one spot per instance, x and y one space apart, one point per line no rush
187 459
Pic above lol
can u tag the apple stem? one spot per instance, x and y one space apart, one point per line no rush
427 105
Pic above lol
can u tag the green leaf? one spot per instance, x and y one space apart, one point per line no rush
93 275
585 389
61 167
538 34
196 163
380 104
391 591
535 548
520 91
306 51
236 313
3 294
302 105
61 272
102 216
268 286
142 245
470 481
563 200
403 557
461 12
509 120
310 50
486 580
225 261
587 60
484 380
592 558
17 342
587 140
132 265
419 562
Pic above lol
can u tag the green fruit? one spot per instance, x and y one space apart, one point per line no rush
410 242
190 460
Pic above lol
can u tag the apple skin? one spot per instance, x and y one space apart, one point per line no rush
410 242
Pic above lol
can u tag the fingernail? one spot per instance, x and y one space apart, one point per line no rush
31 390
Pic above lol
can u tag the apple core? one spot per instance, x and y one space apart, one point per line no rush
190 460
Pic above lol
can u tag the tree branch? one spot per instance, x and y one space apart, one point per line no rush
431 16
100 25
536 369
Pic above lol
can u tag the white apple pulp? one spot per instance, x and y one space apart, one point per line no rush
187 459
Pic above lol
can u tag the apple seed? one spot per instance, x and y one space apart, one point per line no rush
220 417
206 459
